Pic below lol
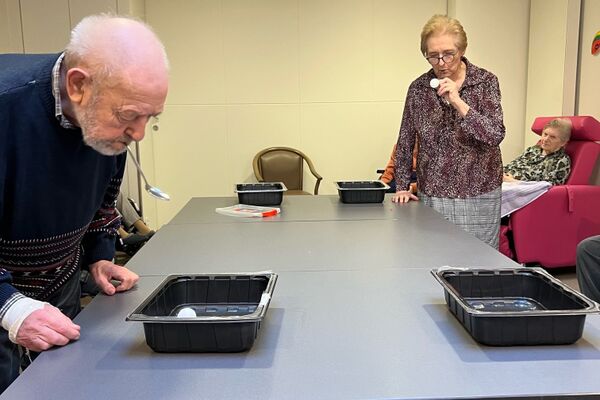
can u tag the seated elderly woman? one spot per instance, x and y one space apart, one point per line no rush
547 160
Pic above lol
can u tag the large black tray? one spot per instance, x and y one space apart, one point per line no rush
361 191
228 308
260 194
523 306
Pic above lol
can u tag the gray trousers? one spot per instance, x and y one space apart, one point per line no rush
588 267
478 215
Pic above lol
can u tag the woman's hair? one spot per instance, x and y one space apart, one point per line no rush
562 125
440 24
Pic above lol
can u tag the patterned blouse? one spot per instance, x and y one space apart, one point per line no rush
458 157
532 165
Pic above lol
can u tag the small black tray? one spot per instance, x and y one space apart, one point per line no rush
228 311
361 191
508 307
260 194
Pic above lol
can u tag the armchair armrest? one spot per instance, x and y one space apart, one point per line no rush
548 230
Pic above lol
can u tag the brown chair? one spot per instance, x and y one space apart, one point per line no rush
284 164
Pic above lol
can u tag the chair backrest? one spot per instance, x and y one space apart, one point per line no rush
283 164
582 148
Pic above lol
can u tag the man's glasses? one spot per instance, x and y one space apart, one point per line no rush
435 60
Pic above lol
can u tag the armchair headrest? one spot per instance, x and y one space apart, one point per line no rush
584 127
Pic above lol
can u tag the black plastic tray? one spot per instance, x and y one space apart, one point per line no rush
361 191
260 194
229 309
522 306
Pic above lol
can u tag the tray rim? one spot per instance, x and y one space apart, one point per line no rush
384 187
256 316
283 187
591 308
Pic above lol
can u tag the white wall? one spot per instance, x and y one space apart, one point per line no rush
552 59
588 85
11 36
498 34
327 77
589 82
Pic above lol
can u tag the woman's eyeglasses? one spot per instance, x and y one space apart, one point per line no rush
435 60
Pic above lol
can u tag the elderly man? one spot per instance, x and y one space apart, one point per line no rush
65 122
547 160
588 267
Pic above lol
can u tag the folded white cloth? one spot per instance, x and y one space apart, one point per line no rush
517 195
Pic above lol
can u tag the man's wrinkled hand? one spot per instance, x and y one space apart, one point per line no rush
104 271
46 328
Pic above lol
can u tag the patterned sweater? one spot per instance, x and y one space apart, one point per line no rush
532 165
458 157
57 195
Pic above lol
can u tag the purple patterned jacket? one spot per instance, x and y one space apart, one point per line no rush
458 157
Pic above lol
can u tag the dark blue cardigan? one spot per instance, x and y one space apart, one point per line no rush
57 195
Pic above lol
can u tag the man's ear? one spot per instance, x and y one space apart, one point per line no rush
78 81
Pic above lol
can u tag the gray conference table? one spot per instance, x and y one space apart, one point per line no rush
307 246
354 329
311 233
201 210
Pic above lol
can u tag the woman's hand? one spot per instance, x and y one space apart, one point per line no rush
509 178
403 196
449 90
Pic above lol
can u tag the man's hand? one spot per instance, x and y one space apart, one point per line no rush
104 271
403 196
45 328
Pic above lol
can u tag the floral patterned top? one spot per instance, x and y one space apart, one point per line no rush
458 157
532 165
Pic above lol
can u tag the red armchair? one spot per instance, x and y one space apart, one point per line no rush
548 230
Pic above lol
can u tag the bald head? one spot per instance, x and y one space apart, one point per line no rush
114 78
115 48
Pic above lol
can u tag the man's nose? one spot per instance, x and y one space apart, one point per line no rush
137 129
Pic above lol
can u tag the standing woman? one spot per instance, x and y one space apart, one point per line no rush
454 112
